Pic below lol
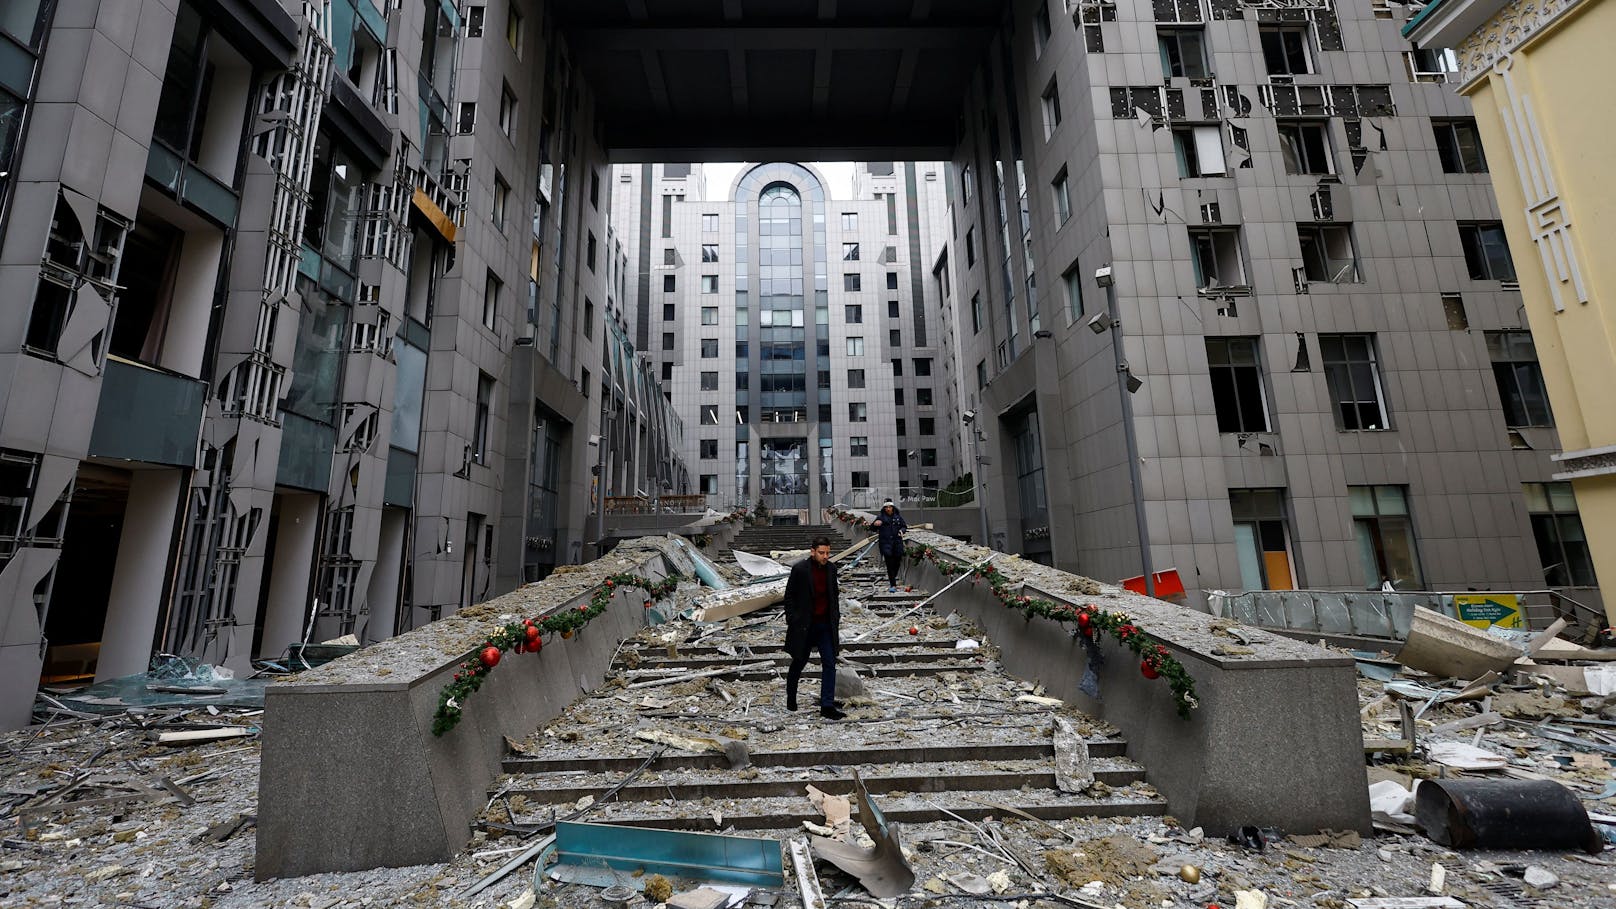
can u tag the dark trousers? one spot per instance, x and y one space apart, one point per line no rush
894 562
823 638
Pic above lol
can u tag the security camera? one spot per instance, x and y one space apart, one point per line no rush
1102 276
969 416
1099 322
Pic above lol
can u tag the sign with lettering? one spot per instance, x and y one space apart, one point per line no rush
1484 609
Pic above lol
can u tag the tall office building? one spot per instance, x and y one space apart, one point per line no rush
799 335
303 300
1335 386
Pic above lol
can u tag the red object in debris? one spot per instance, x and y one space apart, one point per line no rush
909 590
913 629
1168 584
1083 621
532 634
1148 670
490 656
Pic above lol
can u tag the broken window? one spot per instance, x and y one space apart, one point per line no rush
480 432
1183 52
1063 197
1235 368
1459 146
1385 536
492 286
1520 379
709 449
1051 108
1327 254
1486 251
1430 64
1262 539
1215 253
18 471
709 381
858 446
1286 49
1562 546
1306 147
1199 150
1353 375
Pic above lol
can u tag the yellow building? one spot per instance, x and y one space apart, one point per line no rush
1537 74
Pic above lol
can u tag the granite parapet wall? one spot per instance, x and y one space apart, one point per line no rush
352 777
1275 741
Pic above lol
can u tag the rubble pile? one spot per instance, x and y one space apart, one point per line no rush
991 791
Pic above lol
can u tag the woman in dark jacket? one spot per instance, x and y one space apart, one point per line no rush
891 525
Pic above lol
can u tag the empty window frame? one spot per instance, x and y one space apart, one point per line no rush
709 414
709 484
507 114
669 312
1063 198
858 446
1072 283
1041 31
970 247
709 348
855 378
1238 396
860 479
1051 108
1562 546
491 290
1327 254
1262 539
1215 253
1458 144
1430 64
1520 379
1287 49
1352 372
502 195
976 313
1305 146
709 449
709 382
855 347
1486 251
858 412
852 283
1385 537
854 313
893 311
709 284
670 284
1183 52
709 315
1199 150
923 366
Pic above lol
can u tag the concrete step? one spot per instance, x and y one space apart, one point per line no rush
865 755
880 779
786 813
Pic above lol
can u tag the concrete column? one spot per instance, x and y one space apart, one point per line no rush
288 606
137 577
383 593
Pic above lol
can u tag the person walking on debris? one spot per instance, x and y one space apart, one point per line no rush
813 621
891 526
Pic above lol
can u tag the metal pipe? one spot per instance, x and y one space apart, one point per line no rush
977 486
1132 440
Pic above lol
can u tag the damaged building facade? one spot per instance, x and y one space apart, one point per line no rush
1333 384
304 297
800 336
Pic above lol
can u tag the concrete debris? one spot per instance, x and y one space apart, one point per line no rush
1540 878
1448 648
1073 770
699 898
1250 899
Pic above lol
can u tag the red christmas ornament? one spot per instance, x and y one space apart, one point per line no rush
1083 621
914 629
1148 670
608 582
490 656
648 604
532 634
536 646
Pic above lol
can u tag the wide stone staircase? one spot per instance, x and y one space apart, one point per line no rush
691 731
763 540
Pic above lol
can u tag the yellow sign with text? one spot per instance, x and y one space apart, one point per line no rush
1485 609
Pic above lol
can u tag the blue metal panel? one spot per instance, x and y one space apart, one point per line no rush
608 854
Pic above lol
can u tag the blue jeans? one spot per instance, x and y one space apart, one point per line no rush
822 638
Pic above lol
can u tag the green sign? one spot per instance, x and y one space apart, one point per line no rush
1484 609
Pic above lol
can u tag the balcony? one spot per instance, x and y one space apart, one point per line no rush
191 185
147 414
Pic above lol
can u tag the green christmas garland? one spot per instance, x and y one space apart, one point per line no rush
527 636
1155 661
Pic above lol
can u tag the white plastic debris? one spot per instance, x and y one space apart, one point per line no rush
1439 878
966 644
1465 757
1250 899
1390 803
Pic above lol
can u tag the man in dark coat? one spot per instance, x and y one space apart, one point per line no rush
813 620
890 526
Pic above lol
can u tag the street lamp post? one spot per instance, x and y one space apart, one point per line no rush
977 485
1125 379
